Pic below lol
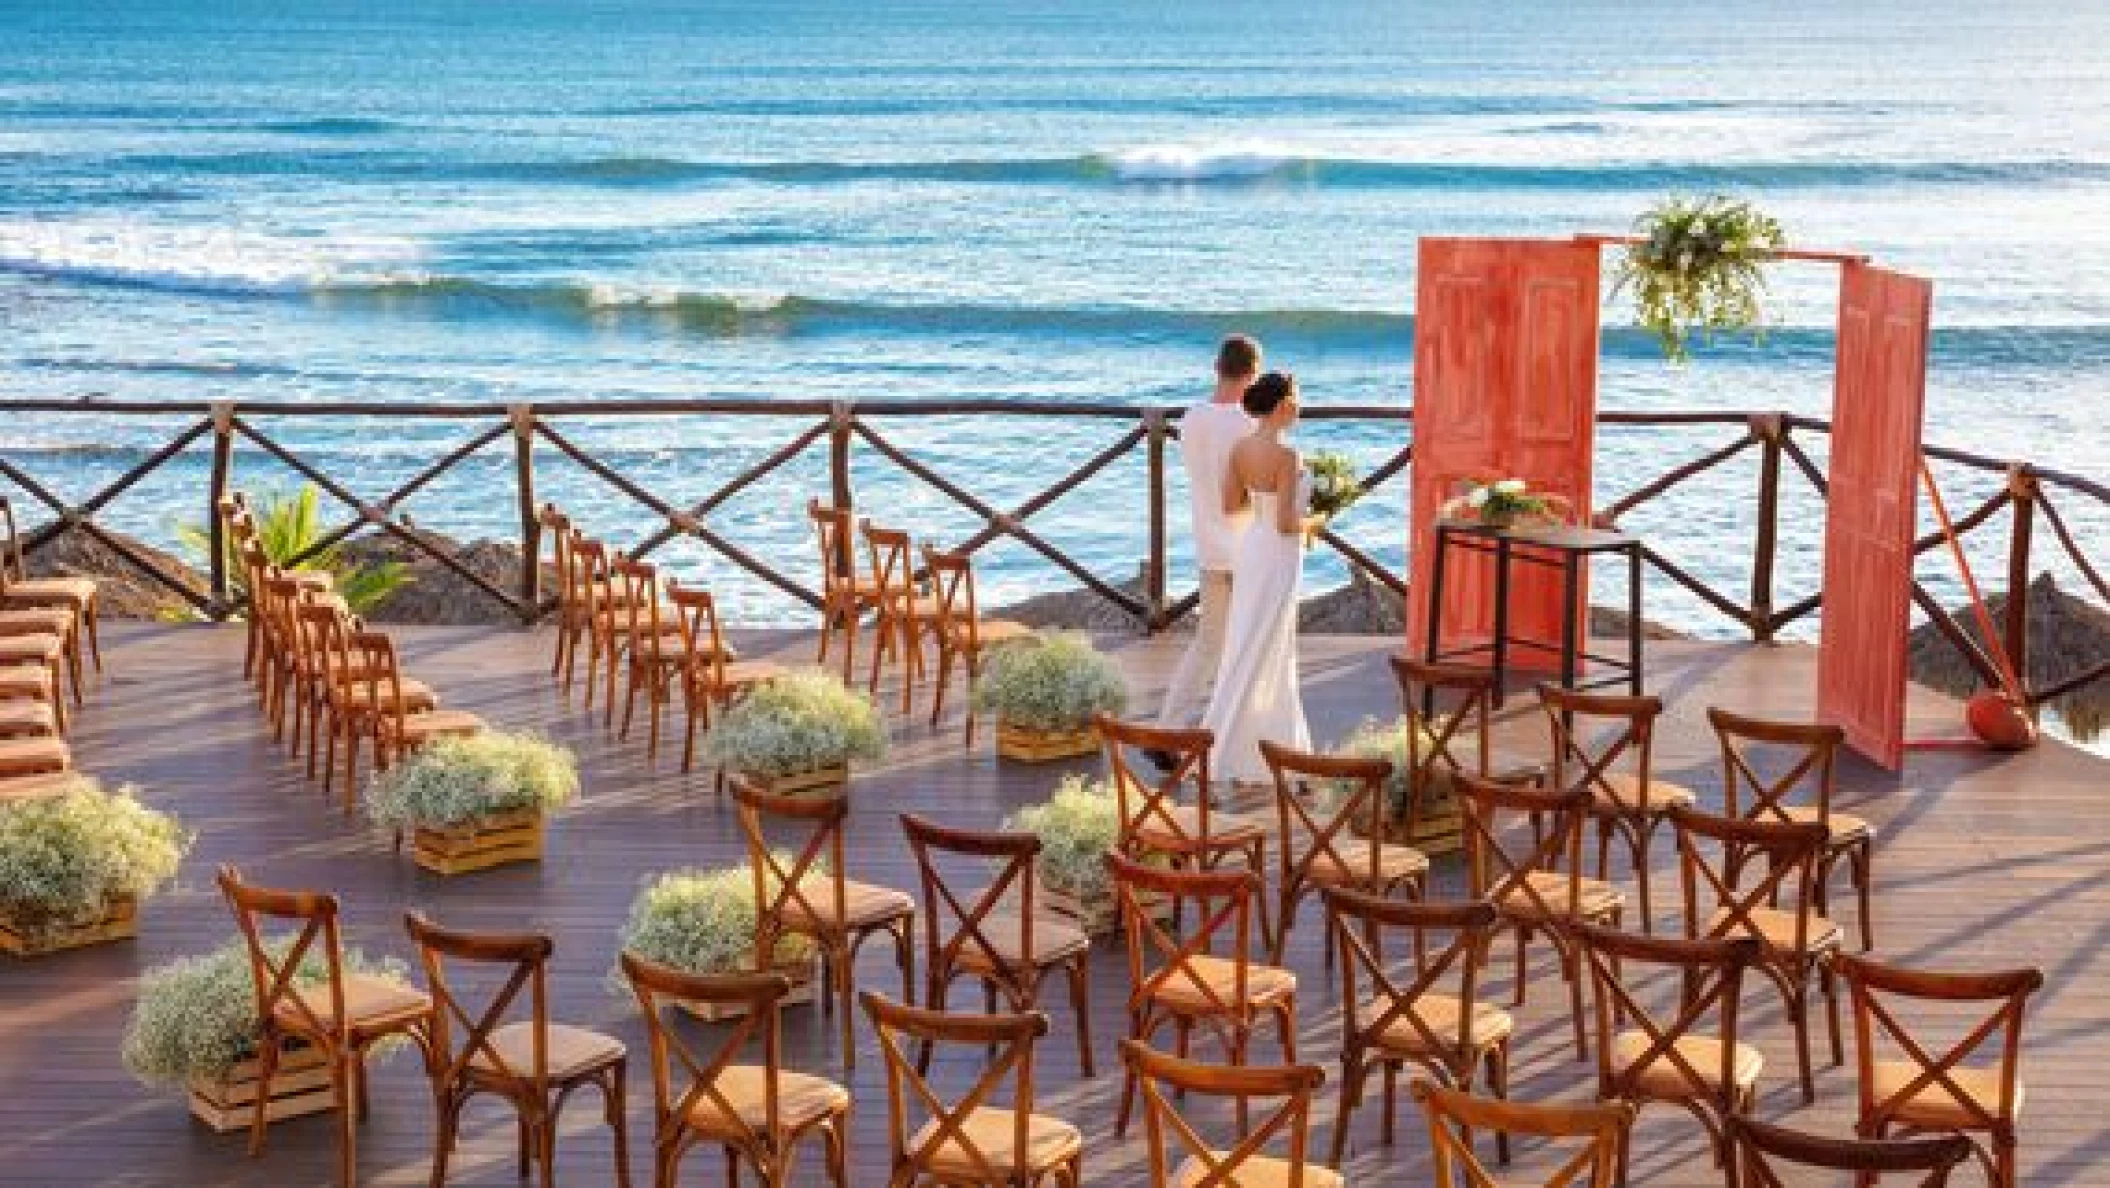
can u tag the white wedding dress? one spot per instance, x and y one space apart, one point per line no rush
1258 695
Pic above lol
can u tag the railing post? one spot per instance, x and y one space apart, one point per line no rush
2022 490
1154 579
222 462
523 418
1770 429
840 421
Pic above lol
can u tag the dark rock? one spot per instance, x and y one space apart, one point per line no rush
437 594
125 591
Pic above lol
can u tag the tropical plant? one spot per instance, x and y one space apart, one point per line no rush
1699 267
452 780
1375 739
1054 683
288 526
64 858
196 1016
1335 485
703 922
1076 827
799 722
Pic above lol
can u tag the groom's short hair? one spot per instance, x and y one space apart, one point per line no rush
1238 358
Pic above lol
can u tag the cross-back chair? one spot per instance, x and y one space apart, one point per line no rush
1244 1161
711 676
1796 944
1765 1154
805 892
1767 764
77 596
1426 1015
654 647
758 1114
1523 849
1932 1088
388 708
906 613
343 1017
602 607
554 525
845 597
1449 710
1331 810
1203 977
1453 1115
1675 1060
533 1065
1627 801
964 636
972 1139
996 935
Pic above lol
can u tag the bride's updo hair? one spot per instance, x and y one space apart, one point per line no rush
1267 393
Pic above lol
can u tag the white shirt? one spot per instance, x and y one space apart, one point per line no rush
1207 433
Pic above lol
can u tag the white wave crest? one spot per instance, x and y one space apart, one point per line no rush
1199 162
198 258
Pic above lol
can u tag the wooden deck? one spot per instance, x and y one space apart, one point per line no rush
1981 862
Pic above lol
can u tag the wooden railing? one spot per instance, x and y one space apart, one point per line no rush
2026 491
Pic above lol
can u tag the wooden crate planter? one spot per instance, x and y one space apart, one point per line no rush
300 1085
805 980
1100 918
821 781
119 920
1441 829
1023 745
480 844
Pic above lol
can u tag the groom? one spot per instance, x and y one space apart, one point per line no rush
1207 433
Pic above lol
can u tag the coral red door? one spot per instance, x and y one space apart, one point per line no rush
1505 386
1877 413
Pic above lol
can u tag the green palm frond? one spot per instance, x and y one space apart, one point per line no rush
288 526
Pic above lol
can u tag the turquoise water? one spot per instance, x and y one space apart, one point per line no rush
833 200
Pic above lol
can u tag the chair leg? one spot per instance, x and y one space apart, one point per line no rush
267 1065
341 1080
1352 1074
1862 861
1080 1000
618 1120
92 613
1641 830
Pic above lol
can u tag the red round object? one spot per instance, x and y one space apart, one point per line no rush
1999 722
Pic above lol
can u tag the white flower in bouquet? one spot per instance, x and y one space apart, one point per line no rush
1510 487
1478 497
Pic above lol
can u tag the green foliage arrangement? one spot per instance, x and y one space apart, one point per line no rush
64 858
1388 741
796 723
1699 268
452 780
1335 485
1076 827
196 1016
1055 683
702 922
286 527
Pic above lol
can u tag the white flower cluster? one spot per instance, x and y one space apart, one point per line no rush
1076 827
797 723
703 922
452 780
63 858
1054 683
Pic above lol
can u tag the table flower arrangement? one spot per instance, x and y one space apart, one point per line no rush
1506 503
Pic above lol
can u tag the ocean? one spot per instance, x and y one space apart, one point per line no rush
841 199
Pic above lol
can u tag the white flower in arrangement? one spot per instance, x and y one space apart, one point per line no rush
1510 487
1478 497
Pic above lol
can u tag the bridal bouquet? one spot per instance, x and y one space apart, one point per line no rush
1334 484
1506 503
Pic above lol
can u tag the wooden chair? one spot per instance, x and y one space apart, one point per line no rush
998 938
1808 754
21 758
1763 1150
387 708
970 1141
1628 804
757 1113
1711 1076
1338 845
344 1018
711 678
1405 1019
964 637
1243 1163
1795 943
1153 819
533 1065
1204 977
1928 1093
76 595
906 613
348 679
594 586
571 614
811 896
1453 1115
1539 889
1448 707
653 646
845 597
47 620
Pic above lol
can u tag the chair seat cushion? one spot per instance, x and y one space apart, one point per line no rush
1658 797
1265 984
1258 1171
740 674
1226 829
865 905
77 591
36 787
24 649
417 695
1934 1106
802 1100
1053 941
416 728
1663 1079
1050 1142
572 1051
1393 863
1440 1012
1597 898
27 717
1777 929
368 1001
26 680
33 756
36 620
1845 827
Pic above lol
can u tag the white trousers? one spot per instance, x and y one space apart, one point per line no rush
1195 677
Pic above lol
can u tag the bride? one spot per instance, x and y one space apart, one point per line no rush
1257 693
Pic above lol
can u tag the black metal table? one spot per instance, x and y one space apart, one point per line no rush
1557 548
